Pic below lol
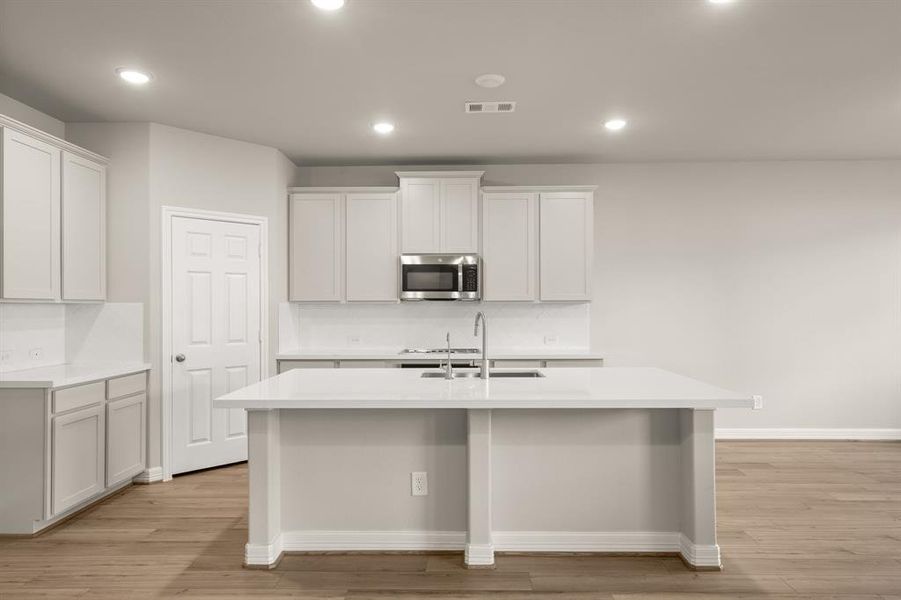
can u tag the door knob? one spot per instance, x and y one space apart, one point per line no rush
179 358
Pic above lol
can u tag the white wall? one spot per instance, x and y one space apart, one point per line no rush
776 278
30 116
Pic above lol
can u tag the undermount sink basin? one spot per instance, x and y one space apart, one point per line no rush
492 374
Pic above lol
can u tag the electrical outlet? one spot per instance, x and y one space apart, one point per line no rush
758 402
353 340
36 353
550 340
419 483
6 356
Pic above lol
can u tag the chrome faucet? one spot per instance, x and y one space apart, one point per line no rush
449 369
483 372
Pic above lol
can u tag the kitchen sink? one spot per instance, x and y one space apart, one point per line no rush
492 375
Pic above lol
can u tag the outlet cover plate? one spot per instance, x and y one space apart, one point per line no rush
419 483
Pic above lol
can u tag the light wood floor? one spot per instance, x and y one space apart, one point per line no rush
797 520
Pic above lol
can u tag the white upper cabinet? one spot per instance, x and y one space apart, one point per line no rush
421 215
52 217
30 218
316 247
371 247
510 246
459 216
439 212
83 229
566 245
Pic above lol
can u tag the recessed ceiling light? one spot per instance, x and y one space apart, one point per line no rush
615 124
490 80
383 128
134 76
328 4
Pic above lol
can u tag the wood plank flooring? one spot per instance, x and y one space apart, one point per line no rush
796 520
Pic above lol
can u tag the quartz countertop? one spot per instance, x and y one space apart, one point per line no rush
398 355
609 387
59 376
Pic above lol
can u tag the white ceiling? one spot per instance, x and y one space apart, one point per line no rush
754 79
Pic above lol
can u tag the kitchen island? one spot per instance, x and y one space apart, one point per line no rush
597 460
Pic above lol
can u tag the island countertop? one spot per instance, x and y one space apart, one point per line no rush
602 388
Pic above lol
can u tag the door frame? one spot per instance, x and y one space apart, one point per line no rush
169 213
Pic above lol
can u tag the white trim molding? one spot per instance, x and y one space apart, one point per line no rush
779 433
587 541
349 541
706 556
151 475
266 555
168 213
478 555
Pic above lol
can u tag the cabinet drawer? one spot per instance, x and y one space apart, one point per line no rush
78 397
516 364
126 386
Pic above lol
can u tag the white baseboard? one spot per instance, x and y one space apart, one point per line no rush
480 555
149 475
729 433
263 554
587 541
324 541
700 555
483 554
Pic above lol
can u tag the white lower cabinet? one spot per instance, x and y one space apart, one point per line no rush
78 457
124 438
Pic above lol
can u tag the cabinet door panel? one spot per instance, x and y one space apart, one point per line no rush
371 246
509 246
420 217
459 216
125 438
77 457
83 229
30 218
566 245
316 243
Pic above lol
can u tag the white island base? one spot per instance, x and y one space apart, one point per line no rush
584 460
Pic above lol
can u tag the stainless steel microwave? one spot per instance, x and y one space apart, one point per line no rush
439 277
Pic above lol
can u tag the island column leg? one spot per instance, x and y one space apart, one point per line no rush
479 544
698 543
264 539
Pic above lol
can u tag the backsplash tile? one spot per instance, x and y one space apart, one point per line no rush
356 327
28 327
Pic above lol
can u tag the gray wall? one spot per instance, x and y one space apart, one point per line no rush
775 278
30 116
154 166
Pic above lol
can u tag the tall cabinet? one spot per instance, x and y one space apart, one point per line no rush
52 218
439 211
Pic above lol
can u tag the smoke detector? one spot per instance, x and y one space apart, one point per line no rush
490 80
489 107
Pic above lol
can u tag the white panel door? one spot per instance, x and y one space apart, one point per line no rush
83 229
420 215
316 247
371 247
216 330
125 438
509 246
77 457
459 216
30 218
566 245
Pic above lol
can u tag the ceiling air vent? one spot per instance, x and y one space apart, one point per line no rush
490 107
